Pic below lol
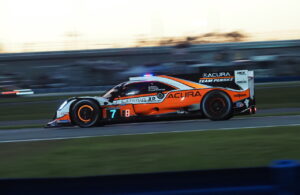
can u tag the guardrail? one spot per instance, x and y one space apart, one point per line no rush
281 177
15 93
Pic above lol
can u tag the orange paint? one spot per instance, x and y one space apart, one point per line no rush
65 117
79 116
176 100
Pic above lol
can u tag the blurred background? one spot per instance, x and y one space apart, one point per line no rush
57 49
61 48
74 43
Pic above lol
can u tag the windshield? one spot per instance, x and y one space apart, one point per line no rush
108 94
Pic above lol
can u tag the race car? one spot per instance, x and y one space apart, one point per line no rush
213 95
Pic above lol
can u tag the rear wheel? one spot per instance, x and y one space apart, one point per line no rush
85 113
217 105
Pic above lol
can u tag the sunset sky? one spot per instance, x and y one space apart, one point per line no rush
122 22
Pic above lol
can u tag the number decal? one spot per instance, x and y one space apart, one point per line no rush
127 113
113 112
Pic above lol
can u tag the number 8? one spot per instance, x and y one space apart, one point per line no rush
127 113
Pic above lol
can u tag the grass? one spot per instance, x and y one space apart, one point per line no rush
22 126
149 153
287 97
278 84
30 111
32 108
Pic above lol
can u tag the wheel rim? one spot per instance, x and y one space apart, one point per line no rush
217 106
85 113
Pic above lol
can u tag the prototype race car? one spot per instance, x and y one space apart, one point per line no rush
216 95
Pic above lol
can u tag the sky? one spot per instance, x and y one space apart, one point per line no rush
122 22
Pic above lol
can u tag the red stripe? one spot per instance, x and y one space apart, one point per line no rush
9 92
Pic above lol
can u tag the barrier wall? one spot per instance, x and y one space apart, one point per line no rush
111 66
281 177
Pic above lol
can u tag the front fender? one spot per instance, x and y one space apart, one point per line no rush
63 116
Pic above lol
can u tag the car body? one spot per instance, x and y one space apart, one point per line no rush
217 96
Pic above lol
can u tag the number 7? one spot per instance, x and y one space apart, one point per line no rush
113 112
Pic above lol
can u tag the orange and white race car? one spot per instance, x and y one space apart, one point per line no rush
214 95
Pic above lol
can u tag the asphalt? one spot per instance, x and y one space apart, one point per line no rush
42 122
39 134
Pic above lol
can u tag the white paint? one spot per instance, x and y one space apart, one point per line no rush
163 80
241 78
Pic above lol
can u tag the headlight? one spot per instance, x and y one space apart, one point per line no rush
63 105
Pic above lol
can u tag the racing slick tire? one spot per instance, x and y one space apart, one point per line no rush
217 105
85 113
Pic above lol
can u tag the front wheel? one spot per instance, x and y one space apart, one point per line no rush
85 113
217 105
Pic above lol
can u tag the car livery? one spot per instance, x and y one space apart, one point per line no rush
217 96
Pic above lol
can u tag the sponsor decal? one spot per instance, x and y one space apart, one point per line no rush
160 95
149 99
216 74
216 77
184 94
240 95
215 80
155 88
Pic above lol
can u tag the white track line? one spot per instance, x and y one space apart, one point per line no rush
192 120
148 133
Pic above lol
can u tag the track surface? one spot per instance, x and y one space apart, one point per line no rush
45 121
37 134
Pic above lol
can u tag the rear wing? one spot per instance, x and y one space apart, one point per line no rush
237 79
240 80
